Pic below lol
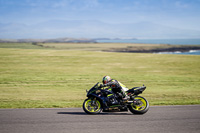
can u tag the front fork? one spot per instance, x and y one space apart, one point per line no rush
93 102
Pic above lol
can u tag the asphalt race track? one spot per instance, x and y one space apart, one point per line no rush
159 119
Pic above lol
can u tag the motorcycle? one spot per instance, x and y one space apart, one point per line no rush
98 100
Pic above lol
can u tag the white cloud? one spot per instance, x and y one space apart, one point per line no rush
91 3
180 4
61 3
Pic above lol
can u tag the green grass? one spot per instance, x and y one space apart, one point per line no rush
101 46
117 47
20 46
37 78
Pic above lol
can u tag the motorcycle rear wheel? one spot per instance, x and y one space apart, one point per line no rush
92 106
140 107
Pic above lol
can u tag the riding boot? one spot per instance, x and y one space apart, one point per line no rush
125 96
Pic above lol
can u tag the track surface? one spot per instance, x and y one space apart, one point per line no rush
159 119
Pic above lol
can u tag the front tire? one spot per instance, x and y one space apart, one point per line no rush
92 106
140 107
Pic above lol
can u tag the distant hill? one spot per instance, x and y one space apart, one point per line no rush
93 29
58 40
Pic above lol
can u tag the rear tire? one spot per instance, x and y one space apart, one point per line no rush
141 107
92 106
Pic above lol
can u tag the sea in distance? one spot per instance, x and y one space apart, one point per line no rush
160 41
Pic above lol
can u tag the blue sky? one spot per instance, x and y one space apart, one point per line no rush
183 14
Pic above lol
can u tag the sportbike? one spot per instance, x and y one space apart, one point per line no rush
98 100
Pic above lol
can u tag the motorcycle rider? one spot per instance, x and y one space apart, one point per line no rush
116 85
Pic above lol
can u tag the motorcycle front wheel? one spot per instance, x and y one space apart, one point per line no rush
140 105
92 106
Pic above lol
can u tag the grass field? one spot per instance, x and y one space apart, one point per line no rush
36 77
100 46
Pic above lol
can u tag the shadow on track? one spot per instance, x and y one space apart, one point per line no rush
102 113
72 113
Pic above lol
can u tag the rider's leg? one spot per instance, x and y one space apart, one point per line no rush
125 96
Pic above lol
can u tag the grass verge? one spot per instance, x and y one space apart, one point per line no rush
47 78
